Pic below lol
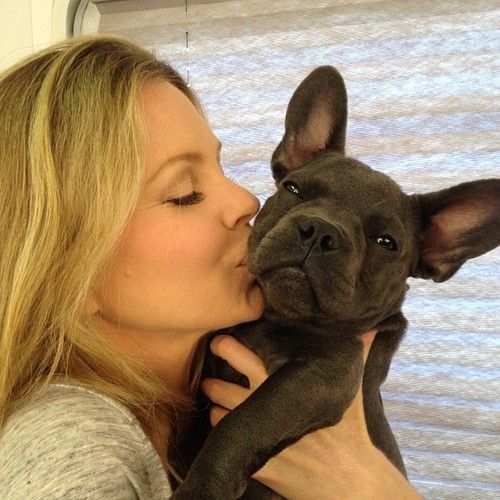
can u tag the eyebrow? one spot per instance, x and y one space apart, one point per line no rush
190 156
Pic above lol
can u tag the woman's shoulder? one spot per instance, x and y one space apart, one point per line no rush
69 440
64 400
74 410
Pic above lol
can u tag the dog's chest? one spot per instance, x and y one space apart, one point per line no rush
277 344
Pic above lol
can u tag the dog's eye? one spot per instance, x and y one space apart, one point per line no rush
292 187
386 242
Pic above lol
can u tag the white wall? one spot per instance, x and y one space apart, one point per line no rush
29 25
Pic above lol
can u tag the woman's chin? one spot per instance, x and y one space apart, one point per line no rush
253 304
256 301
253 296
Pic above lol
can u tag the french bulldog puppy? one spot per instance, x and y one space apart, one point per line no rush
332 250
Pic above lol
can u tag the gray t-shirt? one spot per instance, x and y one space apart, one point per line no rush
71 442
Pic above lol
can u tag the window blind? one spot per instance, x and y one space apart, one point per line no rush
422 80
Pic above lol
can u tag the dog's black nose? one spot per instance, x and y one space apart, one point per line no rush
318 235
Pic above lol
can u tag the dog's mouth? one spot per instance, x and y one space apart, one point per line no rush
289 291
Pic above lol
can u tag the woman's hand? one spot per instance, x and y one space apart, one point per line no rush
337 462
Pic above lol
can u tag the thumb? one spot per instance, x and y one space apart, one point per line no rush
367 338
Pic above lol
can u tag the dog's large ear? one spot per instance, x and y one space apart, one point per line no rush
315 121
457 224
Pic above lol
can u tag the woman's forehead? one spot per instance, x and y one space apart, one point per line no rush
175 126
165 106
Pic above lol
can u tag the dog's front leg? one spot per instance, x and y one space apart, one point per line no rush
300 397
375 373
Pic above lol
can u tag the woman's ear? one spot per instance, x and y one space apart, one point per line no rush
91 305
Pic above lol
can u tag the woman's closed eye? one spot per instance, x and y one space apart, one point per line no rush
190 199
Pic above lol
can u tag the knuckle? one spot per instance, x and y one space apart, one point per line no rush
212 388
260 376
220 343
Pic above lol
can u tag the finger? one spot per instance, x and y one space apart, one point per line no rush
367 338
240 358
217 414
224 393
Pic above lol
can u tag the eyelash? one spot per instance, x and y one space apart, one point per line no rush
191 199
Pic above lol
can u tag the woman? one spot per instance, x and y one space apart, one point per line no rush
122 245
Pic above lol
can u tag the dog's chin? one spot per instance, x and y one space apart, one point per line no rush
288 292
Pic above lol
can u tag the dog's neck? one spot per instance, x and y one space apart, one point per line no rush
334 327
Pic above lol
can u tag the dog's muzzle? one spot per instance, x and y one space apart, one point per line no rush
317 236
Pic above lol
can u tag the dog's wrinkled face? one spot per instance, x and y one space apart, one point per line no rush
335 241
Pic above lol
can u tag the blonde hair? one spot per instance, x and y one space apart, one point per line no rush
72 141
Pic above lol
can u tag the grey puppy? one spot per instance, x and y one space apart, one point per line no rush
332 250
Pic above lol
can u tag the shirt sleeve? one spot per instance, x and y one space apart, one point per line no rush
73 448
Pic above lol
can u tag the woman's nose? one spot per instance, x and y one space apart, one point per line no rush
240 208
